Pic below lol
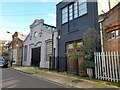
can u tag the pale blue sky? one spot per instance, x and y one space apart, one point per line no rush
17 16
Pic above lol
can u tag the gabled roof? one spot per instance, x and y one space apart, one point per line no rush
36 22
26 37
117 7
10 44
48 28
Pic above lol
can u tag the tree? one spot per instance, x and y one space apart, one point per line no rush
91 44
91 41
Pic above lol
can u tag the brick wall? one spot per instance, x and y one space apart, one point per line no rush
17 44
111 23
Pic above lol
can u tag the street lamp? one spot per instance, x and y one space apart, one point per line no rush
8 32
58 36
12 49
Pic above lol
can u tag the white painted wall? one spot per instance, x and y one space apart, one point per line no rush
39 42
55 44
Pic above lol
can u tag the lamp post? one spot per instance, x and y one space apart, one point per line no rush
8 32
58 38
12 47
58 43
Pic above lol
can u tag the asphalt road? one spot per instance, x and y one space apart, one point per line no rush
15 79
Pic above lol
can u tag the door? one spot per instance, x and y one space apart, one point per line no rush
36 56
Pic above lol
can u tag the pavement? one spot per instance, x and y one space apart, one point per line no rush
63 78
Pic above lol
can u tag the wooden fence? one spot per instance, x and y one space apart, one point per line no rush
107 66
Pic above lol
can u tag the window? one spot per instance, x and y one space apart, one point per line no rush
117 33
114 34
35 34
25 53
79 44
64 15
75 10
48 50
111 35
70 12
82 7
70 46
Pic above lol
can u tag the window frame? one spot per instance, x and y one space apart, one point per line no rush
113 34
81 11
70 12
48 48
65 15
75 9
35 34
25 52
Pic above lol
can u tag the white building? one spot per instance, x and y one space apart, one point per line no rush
40 44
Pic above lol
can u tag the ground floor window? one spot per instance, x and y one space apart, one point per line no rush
25 53
74 44
73 47
48 50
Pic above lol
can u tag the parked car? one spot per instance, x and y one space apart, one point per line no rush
3 63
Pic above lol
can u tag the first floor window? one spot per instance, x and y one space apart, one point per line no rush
114 34
117 33
48 50
64 15
75 10
82 7
70 12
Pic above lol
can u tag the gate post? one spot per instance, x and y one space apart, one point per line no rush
77 67
50 63
58 64
65 63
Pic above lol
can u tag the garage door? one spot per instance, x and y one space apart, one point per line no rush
36 56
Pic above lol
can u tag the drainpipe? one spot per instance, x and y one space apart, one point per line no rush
52 44
58 50
101 35
22 55
52 58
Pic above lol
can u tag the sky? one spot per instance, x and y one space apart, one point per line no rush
18 15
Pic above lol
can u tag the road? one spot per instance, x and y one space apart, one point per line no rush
15 79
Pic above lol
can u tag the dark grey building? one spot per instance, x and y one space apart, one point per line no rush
73 18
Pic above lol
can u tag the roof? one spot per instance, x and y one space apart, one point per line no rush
39 21
21 36
49 27
26 37
58 3
4 42
112 9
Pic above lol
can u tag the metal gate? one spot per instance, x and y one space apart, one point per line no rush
36 56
